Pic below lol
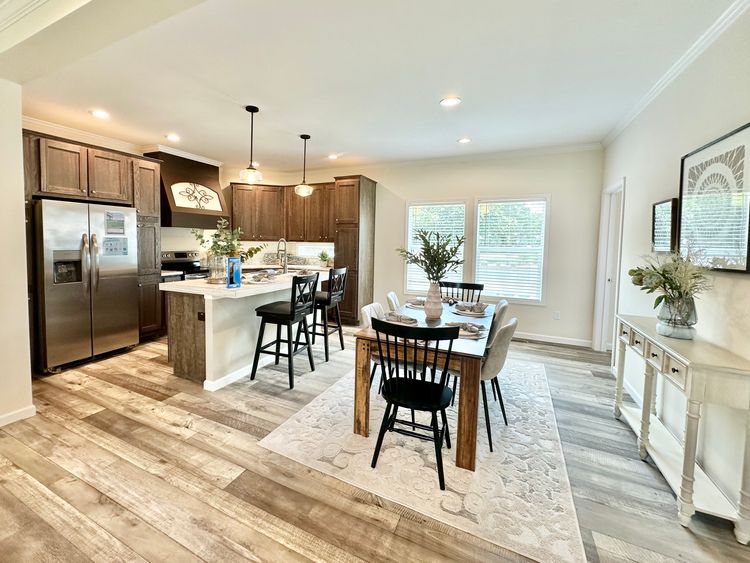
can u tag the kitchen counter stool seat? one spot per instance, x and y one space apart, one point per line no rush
288 313
327 300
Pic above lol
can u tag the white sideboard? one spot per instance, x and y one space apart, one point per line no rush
704 373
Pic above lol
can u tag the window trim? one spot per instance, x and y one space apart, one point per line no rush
542 302
468 211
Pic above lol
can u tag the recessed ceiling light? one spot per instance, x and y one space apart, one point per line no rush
99 113
464 140
174 137
333 156
450 101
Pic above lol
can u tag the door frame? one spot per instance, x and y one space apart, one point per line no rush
600 331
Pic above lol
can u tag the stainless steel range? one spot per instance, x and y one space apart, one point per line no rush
186 261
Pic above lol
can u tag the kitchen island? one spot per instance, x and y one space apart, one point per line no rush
213 330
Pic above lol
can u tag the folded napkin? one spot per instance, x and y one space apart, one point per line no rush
468 327
403 319
473 307
419 301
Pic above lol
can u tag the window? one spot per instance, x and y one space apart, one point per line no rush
510 248
444 218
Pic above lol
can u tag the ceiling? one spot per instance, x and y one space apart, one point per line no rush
365 78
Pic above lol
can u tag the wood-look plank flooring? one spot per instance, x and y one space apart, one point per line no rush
126 462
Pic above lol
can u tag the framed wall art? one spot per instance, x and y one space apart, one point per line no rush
664 226
714 203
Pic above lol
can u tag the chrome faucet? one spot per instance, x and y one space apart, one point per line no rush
285 263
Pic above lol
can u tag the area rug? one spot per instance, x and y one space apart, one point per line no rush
519 497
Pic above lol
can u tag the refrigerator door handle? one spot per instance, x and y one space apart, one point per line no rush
95 252
85 263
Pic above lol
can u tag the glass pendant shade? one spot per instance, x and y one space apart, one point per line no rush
250 175
303 190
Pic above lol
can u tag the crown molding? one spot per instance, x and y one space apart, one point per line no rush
177 152
41 126
13 15
723 22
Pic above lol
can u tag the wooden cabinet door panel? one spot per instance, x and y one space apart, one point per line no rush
347 201
243 210
64 169
331 207
270 217
349 307
149 247
150 305
109 177
146 188
316 215
345 246
295 215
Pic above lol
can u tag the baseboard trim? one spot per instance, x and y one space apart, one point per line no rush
15 416
633 392
236 375
554 339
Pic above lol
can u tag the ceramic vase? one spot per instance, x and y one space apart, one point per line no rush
676 318
433 305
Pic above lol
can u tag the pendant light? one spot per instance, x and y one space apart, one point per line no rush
250 175
303 189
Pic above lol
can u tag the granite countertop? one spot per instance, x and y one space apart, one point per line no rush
218 291
292 267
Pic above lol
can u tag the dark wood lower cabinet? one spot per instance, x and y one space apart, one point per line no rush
151 321
348 307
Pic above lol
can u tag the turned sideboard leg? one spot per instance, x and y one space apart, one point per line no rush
653 396
648 391
742 526
619 376
686 508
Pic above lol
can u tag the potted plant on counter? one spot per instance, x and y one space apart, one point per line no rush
437 257
221 244
677 279
324 257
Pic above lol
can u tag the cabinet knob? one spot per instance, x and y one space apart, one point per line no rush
675 370
654 354
637 341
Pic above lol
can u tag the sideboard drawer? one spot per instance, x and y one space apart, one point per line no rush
624 333
675 371
654 355
637 341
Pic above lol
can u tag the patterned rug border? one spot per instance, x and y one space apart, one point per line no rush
443 520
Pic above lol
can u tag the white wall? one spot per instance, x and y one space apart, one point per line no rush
709 99
15 378
572 178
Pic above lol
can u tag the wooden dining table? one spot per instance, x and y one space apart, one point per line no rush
466 358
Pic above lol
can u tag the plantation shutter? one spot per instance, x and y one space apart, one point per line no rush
510 248
444 218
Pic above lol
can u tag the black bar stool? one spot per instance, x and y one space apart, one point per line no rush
463 291
288 313
330 299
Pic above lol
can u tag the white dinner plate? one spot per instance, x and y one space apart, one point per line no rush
481 315
414 306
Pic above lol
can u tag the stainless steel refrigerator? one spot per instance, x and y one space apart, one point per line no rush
87 268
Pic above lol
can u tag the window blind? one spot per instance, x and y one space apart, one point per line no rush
444 218
510 248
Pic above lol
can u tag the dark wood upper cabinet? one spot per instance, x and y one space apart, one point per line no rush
146 188
109 176
316 215
331 208
243 210
64 168
346 243
270 220
347 200
295 215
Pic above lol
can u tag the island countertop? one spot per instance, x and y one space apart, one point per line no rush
218 291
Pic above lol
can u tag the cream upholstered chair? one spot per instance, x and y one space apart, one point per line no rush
393 303
491 368
369 312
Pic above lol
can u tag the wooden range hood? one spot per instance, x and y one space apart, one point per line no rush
191 194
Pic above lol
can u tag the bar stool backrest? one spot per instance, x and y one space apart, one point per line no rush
303 294
336 285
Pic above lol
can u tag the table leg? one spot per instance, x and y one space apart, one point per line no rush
686 508
648 391
742 525
653 395
468 405
362 388
619 376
